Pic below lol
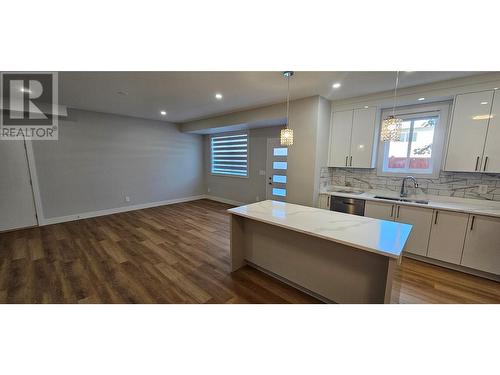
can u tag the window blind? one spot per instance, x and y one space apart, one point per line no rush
230 155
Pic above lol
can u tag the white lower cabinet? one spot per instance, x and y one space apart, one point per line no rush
482 244
421 219
379 210
464 239
324 201
447 236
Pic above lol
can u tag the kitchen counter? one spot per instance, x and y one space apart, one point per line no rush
471 206
333 256
378 236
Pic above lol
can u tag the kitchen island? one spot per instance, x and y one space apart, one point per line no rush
334 256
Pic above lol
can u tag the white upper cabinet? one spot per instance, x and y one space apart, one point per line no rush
469 127
340 139
491 158
362 138
352 138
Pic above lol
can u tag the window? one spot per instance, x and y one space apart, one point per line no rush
229 155
419 148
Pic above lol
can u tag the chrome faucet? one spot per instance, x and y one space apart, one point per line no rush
404 189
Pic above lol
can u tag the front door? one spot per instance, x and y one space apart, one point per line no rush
276 188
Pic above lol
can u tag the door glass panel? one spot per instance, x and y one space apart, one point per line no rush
280 165
279 179
280 151
279 192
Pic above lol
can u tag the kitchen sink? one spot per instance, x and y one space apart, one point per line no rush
418 201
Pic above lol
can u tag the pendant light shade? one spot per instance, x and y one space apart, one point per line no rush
286 137
286 134
391 126
391 129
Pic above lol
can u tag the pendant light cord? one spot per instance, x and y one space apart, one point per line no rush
288 102
395 94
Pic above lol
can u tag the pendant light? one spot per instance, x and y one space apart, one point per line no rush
391 126
286 135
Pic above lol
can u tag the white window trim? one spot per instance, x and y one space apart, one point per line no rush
443 111
210 153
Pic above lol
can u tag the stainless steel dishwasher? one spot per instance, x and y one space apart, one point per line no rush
348 205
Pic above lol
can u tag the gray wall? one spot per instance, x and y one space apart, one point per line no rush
101 158
237 189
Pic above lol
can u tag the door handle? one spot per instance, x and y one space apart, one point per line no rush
472 222
392 209
485 161
397 214
346 161
350 162
436 218
477 162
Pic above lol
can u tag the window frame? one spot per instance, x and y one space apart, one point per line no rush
442 111
215 135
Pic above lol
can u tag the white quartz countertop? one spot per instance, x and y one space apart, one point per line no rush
378 236
471 206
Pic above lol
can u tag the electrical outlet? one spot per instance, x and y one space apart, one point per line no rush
127 198
482 189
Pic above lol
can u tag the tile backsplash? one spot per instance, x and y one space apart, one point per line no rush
454 184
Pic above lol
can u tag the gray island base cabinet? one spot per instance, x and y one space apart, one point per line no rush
334 256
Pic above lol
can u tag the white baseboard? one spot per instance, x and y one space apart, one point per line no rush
224 200
87 215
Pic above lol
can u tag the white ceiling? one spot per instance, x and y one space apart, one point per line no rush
189 96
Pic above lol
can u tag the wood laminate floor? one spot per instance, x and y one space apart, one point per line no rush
175 254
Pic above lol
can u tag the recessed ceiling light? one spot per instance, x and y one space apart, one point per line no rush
218 96
366 107
336 85
484 103
495 88
421 99
163 113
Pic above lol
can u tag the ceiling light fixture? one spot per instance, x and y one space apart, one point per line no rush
484 103
420 99
391 126
336 85
163 113
286 134
365 107
218 96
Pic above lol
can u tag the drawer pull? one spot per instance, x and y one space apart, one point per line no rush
436 218
477 162
485 161
472 223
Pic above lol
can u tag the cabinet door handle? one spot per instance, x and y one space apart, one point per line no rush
472 222
392 209
346 160
397 214
350 162
477 162
436 218
485 161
